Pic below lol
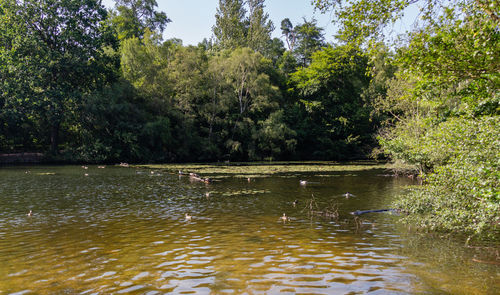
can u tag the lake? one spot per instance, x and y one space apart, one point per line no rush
123 230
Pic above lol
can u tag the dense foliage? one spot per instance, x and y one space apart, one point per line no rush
104 86
441 106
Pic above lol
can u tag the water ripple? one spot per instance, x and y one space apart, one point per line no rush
124 231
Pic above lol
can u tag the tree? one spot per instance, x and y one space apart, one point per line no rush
332 120
259 27
308 38
133 17
289 32
53 53
303 39
445 104
244 93
364 20
229 29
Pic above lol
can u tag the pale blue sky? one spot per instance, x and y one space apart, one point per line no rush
192 20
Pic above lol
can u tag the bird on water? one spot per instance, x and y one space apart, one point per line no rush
348 195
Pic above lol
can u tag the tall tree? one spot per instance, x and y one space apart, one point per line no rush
259 27
52 53
230 29
309 38
289 33
334 121
244 91
133 17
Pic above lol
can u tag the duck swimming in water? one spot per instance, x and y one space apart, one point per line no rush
284 218
302 182
294 203
30 213
348 195
188 217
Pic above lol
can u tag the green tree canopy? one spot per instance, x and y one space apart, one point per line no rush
308 39
230 29
336 119
52 53
234 29
133 17
259 27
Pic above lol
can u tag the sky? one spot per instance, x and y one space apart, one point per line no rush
192 20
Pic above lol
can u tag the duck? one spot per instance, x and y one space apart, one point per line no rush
302 182
294 203
188 216
284 218
348 195
30 213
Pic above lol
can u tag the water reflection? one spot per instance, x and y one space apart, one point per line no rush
123 230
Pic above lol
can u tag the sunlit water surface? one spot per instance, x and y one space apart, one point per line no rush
123 231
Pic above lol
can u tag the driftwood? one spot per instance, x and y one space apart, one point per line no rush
326 214
196 177
486 261
359 212
312 208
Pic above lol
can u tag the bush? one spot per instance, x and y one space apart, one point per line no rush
461 194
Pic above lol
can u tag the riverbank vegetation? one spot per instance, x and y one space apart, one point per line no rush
441 107
83 84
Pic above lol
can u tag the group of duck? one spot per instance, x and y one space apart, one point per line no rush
283 218
197 177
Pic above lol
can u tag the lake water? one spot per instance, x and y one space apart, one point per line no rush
123 231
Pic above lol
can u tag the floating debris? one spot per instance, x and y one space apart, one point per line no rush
359 212
245 192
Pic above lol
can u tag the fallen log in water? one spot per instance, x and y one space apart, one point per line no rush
326 214
196 177
359 212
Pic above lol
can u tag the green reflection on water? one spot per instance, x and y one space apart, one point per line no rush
122 230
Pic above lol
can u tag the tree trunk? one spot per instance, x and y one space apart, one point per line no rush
54 138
